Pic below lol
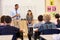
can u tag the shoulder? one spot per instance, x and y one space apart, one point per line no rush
12 10
1 27
12 28
53 24
36 24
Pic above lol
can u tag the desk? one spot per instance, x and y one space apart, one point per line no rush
51 37
23 25
58 28
6 37
47 37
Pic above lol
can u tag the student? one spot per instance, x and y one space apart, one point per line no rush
40 19
29 18
36 34
7 29
47 24
2 20
57 16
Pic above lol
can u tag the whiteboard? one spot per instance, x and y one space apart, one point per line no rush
37 7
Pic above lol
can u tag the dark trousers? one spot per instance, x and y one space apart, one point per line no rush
20 35
36 35
30 33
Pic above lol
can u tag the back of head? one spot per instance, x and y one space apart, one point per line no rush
8 19
40 18
47 17
3 18
57 16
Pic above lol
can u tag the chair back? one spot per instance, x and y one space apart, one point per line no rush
50 31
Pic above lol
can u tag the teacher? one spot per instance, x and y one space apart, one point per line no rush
15 14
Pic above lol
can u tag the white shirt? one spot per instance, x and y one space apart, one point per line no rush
13 13
37 25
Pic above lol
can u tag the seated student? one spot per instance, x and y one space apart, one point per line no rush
47 24
2 20
9 30
57 16
36 34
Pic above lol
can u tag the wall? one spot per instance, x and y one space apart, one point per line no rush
56 3
34 5
37 7
0 8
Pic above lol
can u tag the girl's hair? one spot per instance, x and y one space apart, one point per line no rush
30 11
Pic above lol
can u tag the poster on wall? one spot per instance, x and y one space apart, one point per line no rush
51 8
51 2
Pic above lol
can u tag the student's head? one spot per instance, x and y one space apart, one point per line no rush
29 12
47 17
40 18
8 19
57 16
3 18
16 6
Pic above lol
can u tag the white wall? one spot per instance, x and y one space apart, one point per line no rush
37 7
0 8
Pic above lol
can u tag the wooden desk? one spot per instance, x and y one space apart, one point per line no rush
23 25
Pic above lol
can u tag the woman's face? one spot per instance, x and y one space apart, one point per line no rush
29 13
